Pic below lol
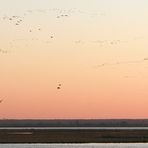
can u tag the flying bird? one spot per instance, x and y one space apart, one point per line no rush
59 86
145 59
1 100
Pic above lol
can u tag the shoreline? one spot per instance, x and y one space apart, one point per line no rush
64 136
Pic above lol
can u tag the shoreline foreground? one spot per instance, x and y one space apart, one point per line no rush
72 136
83 131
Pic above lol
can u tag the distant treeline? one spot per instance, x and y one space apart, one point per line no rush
74 123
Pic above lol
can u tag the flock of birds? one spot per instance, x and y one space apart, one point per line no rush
3 51
18 20
119 63
59 14
59 86
102 42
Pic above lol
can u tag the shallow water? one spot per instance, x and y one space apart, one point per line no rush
79 128
135 145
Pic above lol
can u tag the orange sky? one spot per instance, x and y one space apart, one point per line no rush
96 49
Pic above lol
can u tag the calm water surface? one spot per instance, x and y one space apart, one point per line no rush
76 128
142 145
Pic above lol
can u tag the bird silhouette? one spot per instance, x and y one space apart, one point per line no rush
58 87
1 100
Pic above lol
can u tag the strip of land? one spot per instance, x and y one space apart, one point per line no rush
49 131
76 123
72 136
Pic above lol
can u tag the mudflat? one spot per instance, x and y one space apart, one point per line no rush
72 136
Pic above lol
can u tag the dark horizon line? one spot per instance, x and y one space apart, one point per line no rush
74 119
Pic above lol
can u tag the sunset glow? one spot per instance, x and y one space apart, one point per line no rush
73 59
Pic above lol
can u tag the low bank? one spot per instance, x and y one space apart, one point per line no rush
72 136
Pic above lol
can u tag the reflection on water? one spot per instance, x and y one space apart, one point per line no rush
136 145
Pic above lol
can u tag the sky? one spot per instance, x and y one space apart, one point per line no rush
73 59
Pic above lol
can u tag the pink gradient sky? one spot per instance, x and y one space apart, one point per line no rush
97 53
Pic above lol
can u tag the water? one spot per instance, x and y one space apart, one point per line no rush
78 128
126 145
